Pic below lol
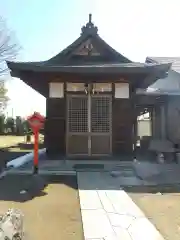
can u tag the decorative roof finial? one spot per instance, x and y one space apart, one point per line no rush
89 28
90 18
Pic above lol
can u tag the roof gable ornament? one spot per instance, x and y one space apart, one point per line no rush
89 28
87 48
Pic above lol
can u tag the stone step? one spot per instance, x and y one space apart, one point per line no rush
41 172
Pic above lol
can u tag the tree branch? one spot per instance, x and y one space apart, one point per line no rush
4 71
8 46
8 50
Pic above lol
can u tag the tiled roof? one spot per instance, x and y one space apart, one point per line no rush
174 60
93 68
171 84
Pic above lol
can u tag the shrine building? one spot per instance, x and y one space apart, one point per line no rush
91 96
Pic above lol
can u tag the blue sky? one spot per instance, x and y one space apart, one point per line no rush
44 27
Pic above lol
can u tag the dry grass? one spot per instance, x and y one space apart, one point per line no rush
163 210
7 141
53 213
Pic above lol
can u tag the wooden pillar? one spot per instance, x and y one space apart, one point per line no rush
157 128
135 132
163 122
152 117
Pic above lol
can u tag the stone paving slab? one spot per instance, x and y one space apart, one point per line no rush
142 228
122 233
110 213
94 202
96 224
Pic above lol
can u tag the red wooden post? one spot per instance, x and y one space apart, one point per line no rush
36 147
36 122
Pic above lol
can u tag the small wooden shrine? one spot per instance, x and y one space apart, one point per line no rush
90 92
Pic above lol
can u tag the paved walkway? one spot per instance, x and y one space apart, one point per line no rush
108 212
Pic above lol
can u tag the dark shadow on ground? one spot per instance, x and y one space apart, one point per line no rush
22 188
125 179
7 155
163 189
145 155
126 184
29 146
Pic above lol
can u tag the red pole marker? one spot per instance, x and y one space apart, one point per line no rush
36 148
36 122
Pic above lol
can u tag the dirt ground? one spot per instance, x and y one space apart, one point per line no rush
162 207
51 212
7 141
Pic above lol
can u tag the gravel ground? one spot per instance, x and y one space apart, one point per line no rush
162 206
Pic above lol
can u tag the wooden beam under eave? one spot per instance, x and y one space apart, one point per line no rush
36 82
30 81
152 78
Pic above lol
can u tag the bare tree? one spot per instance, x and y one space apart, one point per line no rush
8 51
3 97
8 46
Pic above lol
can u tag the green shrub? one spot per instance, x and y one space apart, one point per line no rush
10 124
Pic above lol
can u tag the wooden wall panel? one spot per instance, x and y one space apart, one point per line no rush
55 136
122 126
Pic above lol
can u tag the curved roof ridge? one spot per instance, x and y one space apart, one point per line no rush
175 61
